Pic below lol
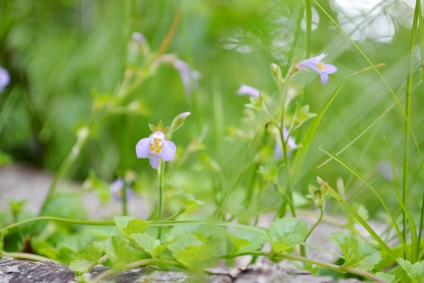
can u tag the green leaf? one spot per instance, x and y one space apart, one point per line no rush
147 243
301 115
357 254
83 262
120 253
128 225
385 276
414 271
286 233
192 256
181 242
255 239
190 251
237 243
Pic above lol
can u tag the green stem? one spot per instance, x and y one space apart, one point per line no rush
321 215
152 223
124 199
338 268
161 173
20 255
82 137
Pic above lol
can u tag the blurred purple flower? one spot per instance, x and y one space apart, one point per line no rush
117 190
315 64
4 78
138 37
290 145
190 78
248 90
156 147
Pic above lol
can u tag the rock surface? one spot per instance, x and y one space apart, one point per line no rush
22 271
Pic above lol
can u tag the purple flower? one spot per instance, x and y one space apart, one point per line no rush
290 144
4 78
189 77
138 37
248 90
117 190
156 147
315 64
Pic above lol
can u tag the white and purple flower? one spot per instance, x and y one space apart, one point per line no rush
189 78
4 78
248 90
290 145
156 146
321 68
117 190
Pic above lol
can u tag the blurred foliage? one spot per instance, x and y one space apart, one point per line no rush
61 54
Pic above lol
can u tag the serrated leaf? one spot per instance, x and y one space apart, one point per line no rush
120 253
302 115
385 276
81 263
237 243
414 271
95 250
357 254
182 242
128 225
256 241
136 226
286 233
146 242
192 256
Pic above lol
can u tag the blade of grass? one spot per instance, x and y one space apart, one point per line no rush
406 132
357 217
422 74
401 202
356 173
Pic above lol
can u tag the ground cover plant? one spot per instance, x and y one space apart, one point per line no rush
215 113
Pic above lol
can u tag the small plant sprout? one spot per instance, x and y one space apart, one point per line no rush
4 78
248 90
156 147
318 66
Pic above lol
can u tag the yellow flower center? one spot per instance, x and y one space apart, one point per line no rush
156 146
321 66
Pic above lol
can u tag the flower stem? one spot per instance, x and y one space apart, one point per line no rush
161 173
321 215
124 199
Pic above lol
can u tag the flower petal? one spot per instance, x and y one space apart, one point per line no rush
330 69
311 62
154 161
168 150
142 148
324 78
248 90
